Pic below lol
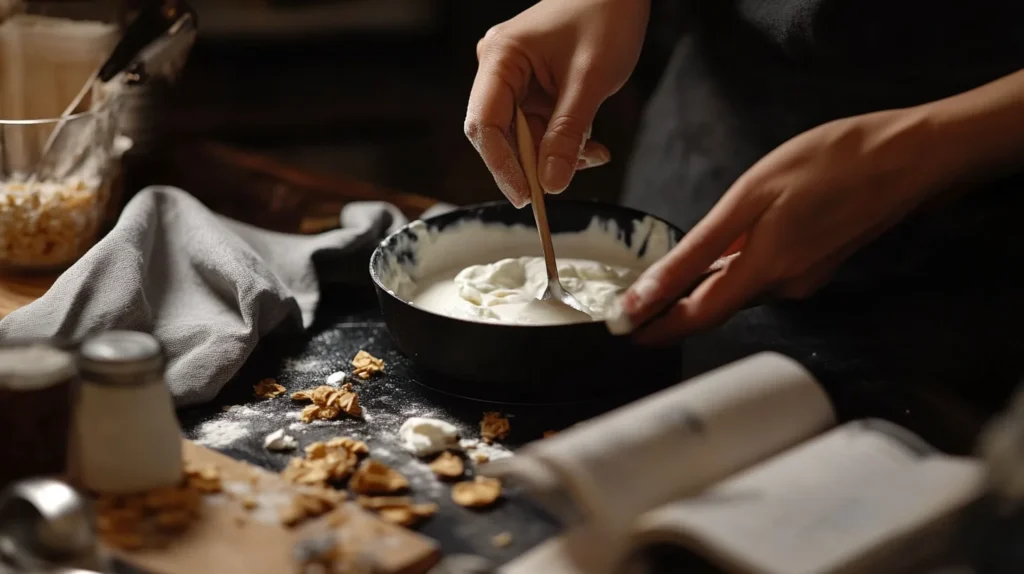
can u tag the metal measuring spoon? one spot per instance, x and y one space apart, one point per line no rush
528 159
45 522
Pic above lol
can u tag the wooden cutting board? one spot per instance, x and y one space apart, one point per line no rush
16 292
228 539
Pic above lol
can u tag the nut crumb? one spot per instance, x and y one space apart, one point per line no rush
480 457
550 433
477 493
375 477
148 519
494 427
249 503
310 503
206 479
448 465
366 365
398 510
502 540
328 402
268 389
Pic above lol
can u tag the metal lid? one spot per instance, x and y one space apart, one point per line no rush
34 366
121 353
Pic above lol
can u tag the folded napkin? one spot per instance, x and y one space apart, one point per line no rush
206 286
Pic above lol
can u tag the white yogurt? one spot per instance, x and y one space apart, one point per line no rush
507 291
491 272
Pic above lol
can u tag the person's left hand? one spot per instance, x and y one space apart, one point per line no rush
790 220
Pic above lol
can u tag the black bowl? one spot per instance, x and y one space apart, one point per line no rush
522 363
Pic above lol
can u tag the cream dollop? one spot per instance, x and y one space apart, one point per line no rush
506 291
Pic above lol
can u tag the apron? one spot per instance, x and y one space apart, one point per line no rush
936 303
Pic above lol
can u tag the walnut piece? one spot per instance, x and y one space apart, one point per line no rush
448 465
398 509
480 457
494 427
375 477
147 519
502 540
268 389
477 493
331 461
328 402
310 503
366 365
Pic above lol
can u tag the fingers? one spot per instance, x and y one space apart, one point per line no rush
566 136
712 302
499 79
594 154
712 237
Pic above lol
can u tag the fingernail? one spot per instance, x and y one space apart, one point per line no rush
640 294
555 174
618 322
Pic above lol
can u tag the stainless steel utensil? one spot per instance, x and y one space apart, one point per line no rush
528 159
44 523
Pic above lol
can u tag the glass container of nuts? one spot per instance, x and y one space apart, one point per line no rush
50 216
55 173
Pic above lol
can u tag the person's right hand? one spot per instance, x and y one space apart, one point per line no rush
559 61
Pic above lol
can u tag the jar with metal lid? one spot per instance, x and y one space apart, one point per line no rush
126 434
36 380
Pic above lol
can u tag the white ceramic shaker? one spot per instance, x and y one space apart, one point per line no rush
126 436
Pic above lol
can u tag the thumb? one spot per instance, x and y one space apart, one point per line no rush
567 133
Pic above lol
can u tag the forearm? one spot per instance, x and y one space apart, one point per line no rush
980 133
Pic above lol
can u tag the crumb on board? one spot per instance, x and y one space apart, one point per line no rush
502 540
268 389
148 519
494 427
448 465
328 402
477 493
375 477
366 365
400 510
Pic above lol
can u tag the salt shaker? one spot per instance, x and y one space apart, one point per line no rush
127 438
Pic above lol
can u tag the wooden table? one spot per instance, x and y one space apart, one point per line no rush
249 188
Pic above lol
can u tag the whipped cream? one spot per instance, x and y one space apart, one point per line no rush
425 436
506 291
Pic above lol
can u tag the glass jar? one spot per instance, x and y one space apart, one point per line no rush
47 222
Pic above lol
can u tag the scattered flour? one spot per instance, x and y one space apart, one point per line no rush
221 433
307 365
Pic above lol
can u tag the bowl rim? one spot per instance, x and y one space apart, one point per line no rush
378 252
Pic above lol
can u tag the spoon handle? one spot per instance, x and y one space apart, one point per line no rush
528 159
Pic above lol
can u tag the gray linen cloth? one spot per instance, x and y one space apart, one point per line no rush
206 286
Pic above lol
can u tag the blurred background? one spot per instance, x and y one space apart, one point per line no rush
370 91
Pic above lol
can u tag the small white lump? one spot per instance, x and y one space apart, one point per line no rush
336 379
279 441
425 436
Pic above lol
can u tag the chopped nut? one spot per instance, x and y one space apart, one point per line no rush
375 477
332 461
268 389
349 444
145 520
477 493
310 504
502 540
328 402
398 509
49 224
480 457
448 465
206 480
249 503
366 365
494 426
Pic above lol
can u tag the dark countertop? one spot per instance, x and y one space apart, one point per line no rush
348 321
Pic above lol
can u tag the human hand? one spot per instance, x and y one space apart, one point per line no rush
788 222
559 60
